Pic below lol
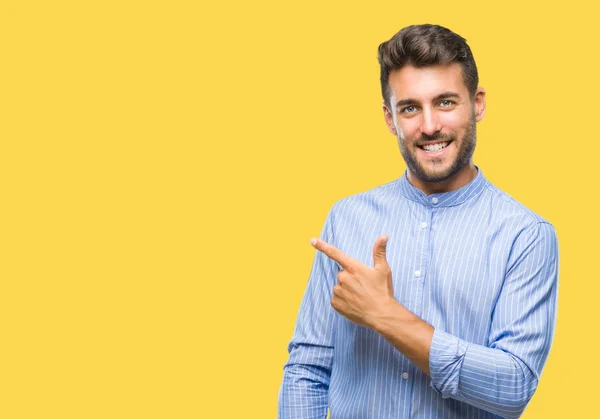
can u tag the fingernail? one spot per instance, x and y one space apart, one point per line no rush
313 241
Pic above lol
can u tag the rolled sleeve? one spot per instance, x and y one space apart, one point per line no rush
446 356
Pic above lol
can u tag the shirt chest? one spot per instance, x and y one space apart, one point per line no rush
448 264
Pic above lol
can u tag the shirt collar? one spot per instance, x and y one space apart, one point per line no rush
445 199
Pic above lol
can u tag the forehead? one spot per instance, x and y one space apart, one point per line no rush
425 83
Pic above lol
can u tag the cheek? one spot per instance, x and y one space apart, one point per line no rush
454 121
408 130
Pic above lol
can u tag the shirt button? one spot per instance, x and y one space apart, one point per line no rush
423 224
405 375
418 274
434 200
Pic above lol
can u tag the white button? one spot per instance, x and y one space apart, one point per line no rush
418 274
434 200
423 224
405 375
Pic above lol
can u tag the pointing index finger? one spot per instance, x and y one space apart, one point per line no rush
333 253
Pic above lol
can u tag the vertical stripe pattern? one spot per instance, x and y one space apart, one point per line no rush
475 264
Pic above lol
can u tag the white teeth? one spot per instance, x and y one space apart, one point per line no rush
434 147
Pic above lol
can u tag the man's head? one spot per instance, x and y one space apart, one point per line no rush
431 103
425 46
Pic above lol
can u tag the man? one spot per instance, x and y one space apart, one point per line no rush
434 295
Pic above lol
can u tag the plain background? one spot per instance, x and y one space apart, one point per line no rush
163 165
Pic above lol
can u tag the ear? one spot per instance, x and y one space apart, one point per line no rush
389 119
479 104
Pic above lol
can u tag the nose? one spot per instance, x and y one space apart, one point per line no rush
430 123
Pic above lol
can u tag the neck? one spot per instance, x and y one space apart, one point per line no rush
456 181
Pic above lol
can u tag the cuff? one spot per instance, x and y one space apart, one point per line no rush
445 362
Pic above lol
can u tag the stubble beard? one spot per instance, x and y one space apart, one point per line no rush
465 153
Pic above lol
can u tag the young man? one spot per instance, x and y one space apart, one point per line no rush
434 295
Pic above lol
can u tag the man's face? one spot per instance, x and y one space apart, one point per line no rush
434 120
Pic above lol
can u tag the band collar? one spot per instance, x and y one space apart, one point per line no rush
445 199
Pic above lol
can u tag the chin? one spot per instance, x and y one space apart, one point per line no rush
437 175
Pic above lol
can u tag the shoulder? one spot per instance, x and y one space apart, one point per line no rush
514 213
365 209
376 197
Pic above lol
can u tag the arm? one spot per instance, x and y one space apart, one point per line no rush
304 391
500 377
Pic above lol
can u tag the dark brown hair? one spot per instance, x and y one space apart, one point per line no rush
424 46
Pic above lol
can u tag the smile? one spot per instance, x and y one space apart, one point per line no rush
434 147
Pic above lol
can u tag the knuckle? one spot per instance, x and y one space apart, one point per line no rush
334 304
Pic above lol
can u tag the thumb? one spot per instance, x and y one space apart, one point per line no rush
379 252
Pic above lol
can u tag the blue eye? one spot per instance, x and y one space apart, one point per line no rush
409 109
446 103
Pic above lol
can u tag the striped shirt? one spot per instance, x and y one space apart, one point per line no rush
475 264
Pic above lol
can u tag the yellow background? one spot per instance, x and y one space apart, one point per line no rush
163 165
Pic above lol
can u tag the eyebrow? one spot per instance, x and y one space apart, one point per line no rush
441 96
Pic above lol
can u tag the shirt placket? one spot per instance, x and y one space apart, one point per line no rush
420 270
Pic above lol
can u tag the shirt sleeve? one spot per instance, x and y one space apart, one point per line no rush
502 376
304 390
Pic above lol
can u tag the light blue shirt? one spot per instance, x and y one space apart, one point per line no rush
475 264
